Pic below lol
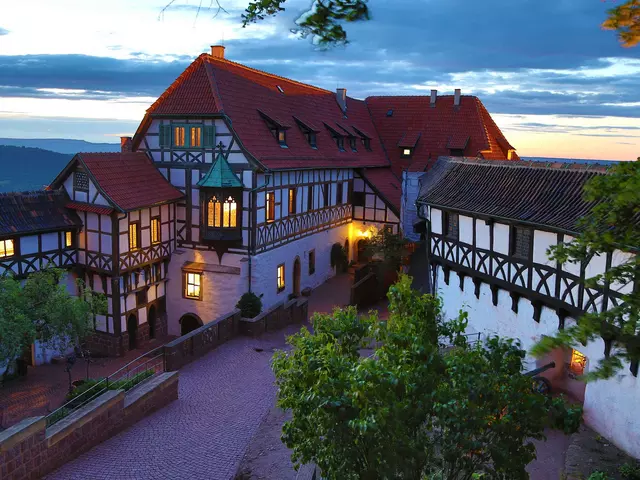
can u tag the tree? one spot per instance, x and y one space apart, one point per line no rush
42 309
613 224
424 404
388 247
625 19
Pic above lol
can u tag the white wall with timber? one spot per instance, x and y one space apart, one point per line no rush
368 206
81 188
408 209
221 283
95 241
610 406
37 251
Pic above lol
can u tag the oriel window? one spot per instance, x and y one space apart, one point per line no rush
270 211
222 214
134 236
193 283
6 248
179 136
155 230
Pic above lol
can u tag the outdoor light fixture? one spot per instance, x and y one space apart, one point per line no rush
578 362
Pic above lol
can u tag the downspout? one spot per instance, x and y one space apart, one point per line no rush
252 200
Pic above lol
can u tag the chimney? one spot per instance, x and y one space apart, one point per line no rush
341 98
434 96
217 51
125 144
456 98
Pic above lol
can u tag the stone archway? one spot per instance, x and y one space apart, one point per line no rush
151 319
189 322
132 330
297 270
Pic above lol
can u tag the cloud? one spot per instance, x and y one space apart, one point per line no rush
3 31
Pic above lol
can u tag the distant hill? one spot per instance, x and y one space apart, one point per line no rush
24 168
61 145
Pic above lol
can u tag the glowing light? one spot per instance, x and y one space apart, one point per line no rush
578 362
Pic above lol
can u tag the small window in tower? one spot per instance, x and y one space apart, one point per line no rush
6 248
68 239
196 137
179 136
155 230
193 284
270 212
292 201
280 279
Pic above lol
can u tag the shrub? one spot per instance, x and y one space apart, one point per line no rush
629 471
124 384
599 476
250 305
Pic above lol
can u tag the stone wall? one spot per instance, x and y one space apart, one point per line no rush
103 344
277 317
31 450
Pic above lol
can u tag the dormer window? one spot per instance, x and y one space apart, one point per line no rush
311 139
187 136
352 144
337 137
309 132
340 143
364 138
407 152
277 128
282 137
390 113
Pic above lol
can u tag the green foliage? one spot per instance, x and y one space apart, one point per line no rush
599 476
250 305
338 257
625 19
323 22
42 309
424 404
629 471
102 385
612 225
387 247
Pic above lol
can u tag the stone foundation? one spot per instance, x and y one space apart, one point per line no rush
103 344
31 450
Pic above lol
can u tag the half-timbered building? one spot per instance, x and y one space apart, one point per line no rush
490 224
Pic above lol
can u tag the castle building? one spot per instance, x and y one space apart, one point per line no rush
489 225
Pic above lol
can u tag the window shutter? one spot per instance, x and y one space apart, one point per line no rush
209 136
165 135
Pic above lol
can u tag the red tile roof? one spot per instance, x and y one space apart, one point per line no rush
213 85
129 180
89 207
438 125
409 139
386 183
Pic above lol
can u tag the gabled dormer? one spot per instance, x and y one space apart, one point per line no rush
456 144
407 143
221 206
337 136
309 131
277 128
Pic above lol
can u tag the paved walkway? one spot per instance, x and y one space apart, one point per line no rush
204 434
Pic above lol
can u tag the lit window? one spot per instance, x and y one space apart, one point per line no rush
6 248
406 152
134 236
280 278
511 154
578 362
193 282
178 136
68 239
271 207
312 262
292 201
282 138
196 137
155 230
222 214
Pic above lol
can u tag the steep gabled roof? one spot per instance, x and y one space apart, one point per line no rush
33 212
536 193
442 127
216 86
386 185
128 180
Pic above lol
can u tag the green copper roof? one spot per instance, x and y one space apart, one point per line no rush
220 175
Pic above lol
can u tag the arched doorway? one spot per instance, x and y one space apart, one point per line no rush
189 322
296 276
151 318
132 329
362 246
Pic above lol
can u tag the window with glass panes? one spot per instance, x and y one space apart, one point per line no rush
6 248
280 279
193 285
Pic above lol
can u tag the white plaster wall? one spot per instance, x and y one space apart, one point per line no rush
483 234
610 405
220 291
465 229
501 238
436 220
264 267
